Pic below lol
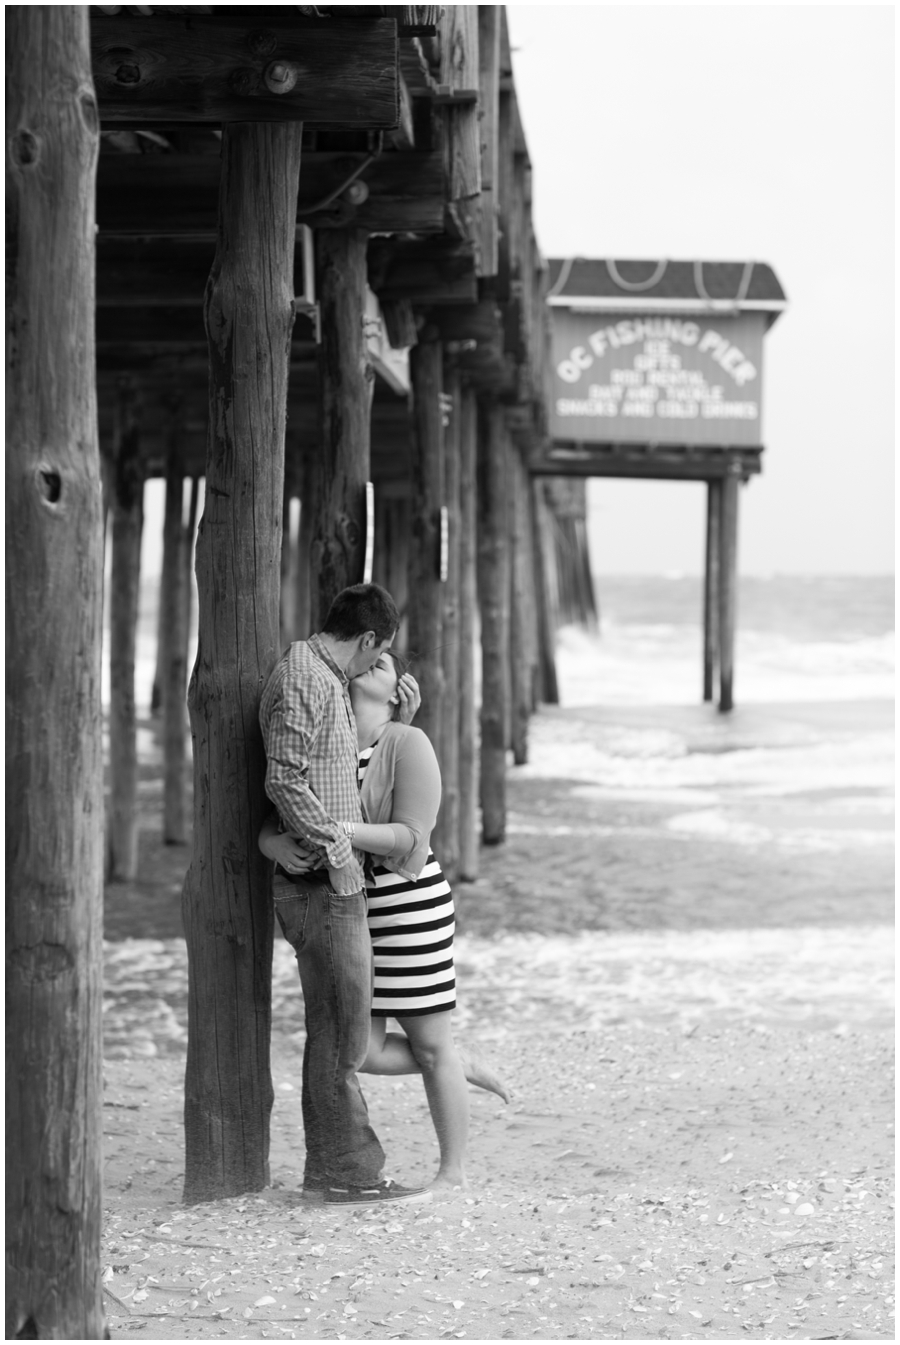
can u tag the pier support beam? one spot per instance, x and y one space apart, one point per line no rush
521 615
468 637
346 381
127 528
174 607
227 903
54 762
547 613
426 594
711 589
493 593
446 832
728 585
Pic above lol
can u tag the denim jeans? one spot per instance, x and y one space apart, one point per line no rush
330 936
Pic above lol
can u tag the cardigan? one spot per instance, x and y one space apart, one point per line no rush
402 784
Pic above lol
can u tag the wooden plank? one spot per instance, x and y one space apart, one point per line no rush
711 589
489 102
127 527
493 596
346 382
426 271
160 195
642 462
468 624
479 322
728 527
54 781
425 588
446 833
504 187
459 76
404 137
217 68
227 905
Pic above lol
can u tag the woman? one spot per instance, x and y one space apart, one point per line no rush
410 908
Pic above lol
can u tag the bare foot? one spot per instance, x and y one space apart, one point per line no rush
478 1073
449 1185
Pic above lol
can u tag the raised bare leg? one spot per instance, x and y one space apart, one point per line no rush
391 1053
480 1074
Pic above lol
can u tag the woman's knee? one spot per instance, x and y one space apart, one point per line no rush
431 1043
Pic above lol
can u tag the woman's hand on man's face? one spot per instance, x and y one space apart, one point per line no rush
410 698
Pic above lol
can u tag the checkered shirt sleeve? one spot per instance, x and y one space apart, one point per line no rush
311 746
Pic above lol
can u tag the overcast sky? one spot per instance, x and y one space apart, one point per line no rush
734 132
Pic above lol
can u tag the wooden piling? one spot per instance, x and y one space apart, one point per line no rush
520 659
290 543
174 606
493 595
127 528
227 906
426 597
306 582
346 381
547 613
711 589
469 754
54 594
446 832
728 585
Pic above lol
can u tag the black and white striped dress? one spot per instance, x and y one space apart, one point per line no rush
411 925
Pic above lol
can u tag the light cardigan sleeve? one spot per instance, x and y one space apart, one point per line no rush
417 786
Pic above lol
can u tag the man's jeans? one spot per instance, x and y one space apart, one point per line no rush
330 935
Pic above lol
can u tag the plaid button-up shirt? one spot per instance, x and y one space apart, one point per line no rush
310 735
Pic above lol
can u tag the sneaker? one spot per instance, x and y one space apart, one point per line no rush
383 1193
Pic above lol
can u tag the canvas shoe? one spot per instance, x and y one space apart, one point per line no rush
385 1192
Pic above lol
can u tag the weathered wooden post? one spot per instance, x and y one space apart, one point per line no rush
306 582
546 595
520 612
227 907
711 589
446 832
493 594
290 543
54 594
469 754
728 583
425 587
346 380
174 607
127 528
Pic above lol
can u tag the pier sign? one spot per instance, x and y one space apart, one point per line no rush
653 379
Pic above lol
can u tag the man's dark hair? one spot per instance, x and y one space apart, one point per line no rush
360 608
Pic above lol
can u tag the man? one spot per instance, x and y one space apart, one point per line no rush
311 744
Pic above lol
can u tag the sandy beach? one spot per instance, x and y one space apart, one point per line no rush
680 961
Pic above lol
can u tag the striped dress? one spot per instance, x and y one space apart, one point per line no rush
411 925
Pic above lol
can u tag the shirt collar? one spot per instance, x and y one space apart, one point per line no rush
316 645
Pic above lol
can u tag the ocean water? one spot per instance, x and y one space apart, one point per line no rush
821 638
804 763
816 638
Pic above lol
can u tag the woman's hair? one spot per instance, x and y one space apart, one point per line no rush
401 663
361 608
